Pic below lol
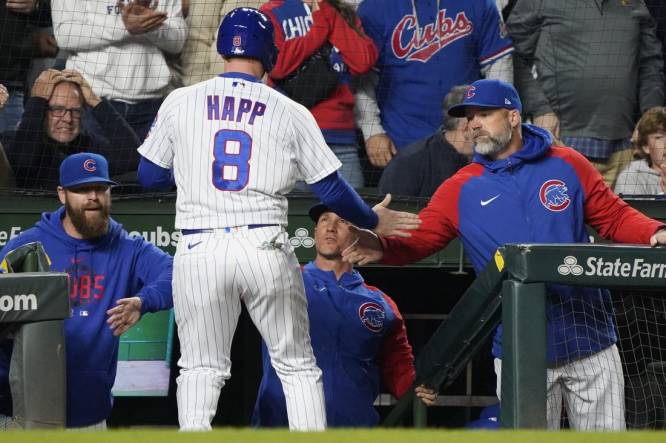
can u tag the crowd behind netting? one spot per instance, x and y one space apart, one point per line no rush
90 75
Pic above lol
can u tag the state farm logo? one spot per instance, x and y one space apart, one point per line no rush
18 302
570 266
425 42
302 239
600 267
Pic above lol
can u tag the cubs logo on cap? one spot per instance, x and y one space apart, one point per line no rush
236 40
84 168
488 93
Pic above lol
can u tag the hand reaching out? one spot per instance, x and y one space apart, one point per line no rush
394 223
125 315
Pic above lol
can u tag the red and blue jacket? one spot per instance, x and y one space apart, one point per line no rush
426 48
540 194
299 34
360 342
101 271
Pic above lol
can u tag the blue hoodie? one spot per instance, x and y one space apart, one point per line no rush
539 194
101 271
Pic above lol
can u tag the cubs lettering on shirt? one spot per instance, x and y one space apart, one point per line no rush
236 147
426 48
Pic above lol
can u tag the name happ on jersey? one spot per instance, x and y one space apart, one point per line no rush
232 109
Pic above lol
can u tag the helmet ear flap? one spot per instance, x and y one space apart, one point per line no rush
248 32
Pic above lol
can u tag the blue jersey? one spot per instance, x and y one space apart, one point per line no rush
101 271
425 48
359 340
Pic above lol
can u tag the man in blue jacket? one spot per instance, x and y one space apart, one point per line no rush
114 279
358 337
521 188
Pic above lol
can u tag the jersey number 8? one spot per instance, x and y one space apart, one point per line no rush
231 168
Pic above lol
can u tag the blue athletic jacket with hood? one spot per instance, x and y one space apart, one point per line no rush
101 271
540 194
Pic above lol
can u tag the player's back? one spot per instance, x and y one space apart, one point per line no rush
238 147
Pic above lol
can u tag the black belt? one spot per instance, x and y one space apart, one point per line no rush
229 229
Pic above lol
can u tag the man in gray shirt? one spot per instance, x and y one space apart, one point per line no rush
598 64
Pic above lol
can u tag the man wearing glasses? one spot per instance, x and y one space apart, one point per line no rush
50 130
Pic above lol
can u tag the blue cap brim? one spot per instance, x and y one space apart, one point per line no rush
459 110
90 180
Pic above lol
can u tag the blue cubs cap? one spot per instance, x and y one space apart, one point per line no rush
83 168
488 93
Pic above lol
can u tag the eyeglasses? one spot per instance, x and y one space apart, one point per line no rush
60 111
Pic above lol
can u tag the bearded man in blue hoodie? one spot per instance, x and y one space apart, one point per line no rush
114 279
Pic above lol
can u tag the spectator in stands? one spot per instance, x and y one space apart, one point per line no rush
425 49
596 64
358 337
420 168
647 174
117 278
18 44
321 45
200 59
120 50
51 130
521 188
658 10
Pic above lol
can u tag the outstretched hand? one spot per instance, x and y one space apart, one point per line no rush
125 315
394 223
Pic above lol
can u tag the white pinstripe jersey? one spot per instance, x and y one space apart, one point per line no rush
236 147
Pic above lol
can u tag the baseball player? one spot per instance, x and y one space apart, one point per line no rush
358 336
114 279
522 188
236 147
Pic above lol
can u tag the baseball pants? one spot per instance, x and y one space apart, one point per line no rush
592 389
213 273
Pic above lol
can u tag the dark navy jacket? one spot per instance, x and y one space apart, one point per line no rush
359 340
101 272
540 194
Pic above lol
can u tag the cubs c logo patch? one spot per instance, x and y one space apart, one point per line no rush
553 195
90 165
470 92
372 316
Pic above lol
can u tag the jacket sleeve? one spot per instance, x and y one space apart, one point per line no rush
439 221
396 360
153 271
650 64
524 26
608 213
293 52
77 30
27 152
357 49
170 37
122 151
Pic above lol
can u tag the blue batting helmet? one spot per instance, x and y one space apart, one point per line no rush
248 32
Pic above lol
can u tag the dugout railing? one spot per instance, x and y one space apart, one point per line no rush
512 289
